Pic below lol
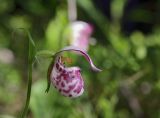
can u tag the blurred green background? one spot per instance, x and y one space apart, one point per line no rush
127 49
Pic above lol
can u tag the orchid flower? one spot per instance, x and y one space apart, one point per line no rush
80 34
68 80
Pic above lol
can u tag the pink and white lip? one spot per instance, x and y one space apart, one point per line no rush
68 80
80 34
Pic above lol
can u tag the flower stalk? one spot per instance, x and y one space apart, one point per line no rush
31 58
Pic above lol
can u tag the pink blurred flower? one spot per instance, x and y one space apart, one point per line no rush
80 34
68 80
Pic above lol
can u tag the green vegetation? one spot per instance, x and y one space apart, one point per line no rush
128 86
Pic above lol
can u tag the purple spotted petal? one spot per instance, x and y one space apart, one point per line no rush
82 52
67 80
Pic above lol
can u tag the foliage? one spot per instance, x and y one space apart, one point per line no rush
128 86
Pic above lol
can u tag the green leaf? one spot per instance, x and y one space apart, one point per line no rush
32 49
55 30
49 73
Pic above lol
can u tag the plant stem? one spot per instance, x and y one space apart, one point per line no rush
31 57
72 10
28 90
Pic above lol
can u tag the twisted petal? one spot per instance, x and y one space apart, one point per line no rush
82 52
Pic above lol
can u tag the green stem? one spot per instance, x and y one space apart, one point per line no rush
28 91
31 57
